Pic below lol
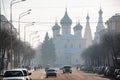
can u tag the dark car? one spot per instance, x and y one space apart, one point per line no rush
109 71
67 69
116 73
51 72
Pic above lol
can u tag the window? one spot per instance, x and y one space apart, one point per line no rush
79 46
71 45
65 45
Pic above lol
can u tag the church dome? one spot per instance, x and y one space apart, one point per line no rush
77 27
66 20
56 26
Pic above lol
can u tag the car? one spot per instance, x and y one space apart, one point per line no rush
51 72
16 74
61 68
67 69
116 73
26 72
109 71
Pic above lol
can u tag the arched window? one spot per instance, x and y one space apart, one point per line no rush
65 45
79 45
71 45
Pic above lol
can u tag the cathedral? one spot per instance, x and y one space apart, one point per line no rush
68 47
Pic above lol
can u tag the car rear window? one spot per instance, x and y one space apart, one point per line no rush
25 72
13 74
67 66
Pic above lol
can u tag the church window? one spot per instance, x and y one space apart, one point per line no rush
79 46
67 57
68 40
65 45
71 45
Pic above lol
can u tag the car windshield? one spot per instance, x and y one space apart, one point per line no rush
25 72
51 70
13 74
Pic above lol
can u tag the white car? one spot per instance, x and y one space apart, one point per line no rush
16 74
26 73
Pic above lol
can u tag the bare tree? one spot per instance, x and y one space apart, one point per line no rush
111 41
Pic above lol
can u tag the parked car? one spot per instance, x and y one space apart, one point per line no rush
101 69
116 73
67 69
51 72
16 74
109 71
61 68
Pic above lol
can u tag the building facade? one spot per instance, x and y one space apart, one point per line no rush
68 46
113 24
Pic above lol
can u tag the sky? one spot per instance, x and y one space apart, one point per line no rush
45 12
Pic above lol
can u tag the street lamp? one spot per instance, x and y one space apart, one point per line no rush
27 25
20 16
31 35
34 39
11 5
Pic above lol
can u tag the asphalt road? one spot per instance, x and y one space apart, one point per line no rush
76 75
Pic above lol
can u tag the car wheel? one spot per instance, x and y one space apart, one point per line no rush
63 72
55 75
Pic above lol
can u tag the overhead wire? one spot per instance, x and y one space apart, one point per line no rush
46 22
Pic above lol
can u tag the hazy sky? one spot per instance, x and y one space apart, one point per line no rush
45 12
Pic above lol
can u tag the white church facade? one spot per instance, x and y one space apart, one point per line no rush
68 47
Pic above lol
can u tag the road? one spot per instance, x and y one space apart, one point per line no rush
76 75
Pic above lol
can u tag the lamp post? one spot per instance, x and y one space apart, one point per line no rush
34 39
12 2
11 5
31 35
20 16
27 25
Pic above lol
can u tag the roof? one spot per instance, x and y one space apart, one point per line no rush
77 27
56 26
100 11
14 70
20 69
66 19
